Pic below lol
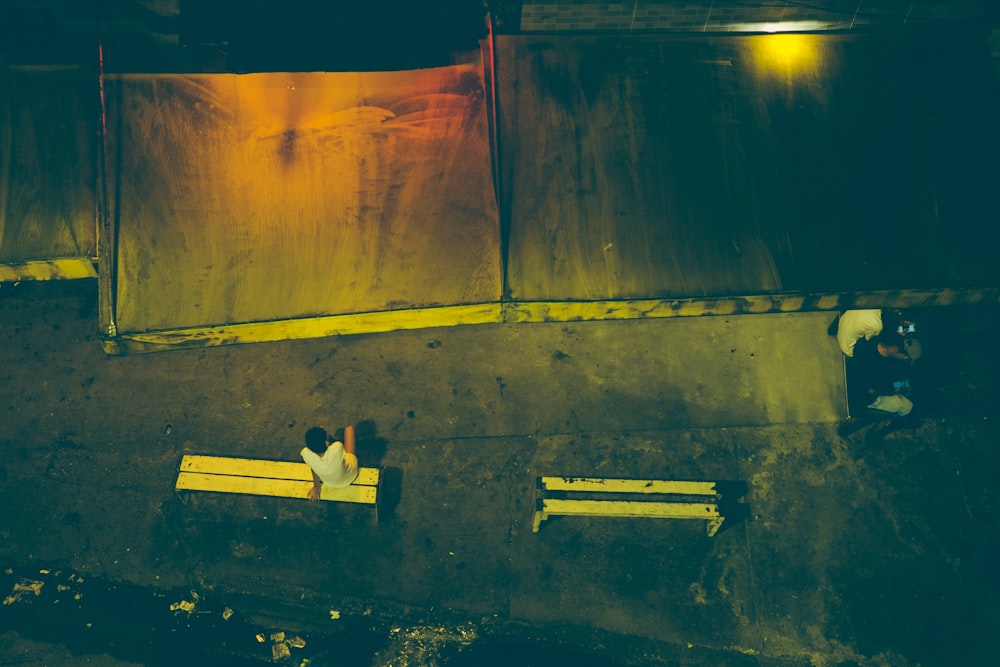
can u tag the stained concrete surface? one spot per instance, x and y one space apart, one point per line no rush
630 167
47 170
869 551
264 197
679 165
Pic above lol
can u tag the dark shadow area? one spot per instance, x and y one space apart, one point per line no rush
390 492
708 197
508 654
731 503
305 36
956 375
159 628
371 448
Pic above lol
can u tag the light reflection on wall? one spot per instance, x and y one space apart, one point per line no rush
272 196
329 141
787 57
785 26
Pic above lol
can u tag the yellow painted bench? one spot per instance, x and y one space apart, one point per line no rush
637 498
261 477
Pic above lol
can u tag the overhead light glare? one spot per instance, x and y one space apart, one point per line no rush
781 26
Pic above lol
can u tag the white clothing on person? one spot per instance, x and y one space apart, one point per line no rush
336 467
854 324
895 404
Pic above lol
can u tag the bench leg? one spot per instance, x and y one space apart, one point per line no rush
537 519
714 525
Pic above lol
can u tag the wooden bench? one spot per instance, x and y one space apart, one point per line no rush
261 477
649 498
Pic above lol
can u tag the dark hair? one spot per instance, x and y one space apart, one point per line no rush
890 337
316 439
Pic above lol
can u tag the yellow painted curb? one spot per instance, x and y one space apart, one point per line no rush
53 269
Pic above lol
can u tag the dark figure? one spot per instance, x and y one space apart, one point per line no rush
878 381
853 325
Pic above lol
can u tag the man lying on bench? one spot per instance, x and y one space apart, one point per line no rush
332 462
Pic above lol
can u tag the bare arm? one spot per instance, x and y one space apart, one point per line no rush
349 440
314 491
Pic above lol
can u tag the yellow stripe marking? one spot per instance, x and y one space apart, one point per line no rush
628 486
260 486
624 508
69 268
221 465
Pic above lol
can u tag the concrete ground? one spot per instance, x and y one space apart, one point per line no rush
870 551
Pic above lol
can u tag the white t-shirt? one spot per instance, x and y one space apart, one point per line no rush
336 467
895 404
857 323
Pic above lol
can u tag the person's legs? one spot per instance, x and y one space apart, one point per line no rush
854 424
867 417
894 423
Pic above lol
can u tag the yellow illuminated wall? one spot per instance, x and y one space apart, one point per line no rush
793 60
243 198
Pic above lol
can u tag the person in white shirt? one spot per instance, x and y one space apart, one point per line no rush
853 325
857 324
333 463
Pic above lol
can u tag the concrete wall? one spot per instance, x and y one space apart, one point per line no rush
48 158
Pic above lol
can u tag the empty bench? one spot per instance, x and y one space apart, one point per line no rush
648 498
261 477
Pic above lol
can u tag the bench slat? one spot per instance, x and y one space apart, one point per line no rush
589 484
625 508
263 468
285 488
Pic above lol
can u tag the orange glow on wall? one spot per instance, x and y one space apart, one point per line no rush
270 196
